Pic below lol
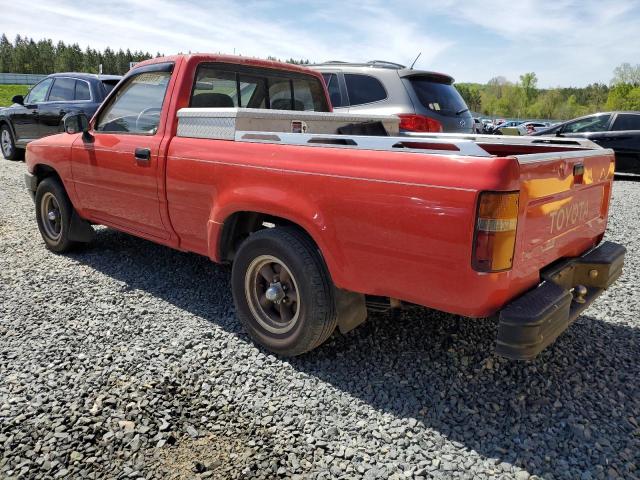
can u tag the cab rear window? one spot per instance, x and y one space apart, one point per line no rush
221 85
438 96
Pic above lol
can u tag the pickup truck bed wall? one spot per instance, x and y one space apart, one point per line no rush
387 223
396 222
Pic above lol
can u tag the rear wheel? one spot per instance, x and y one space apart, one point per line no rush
8 144
282 291
53 213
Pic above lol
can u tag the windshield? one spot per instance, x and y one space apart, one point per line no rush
438 96
597 123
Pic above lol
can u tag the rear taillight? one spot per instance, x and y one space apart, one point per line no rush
419 123
495 233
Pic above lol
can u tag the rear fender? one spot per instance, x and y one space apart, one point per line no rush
275 202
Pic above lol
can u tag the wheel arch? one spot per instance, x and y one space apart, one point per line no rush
7 122
42 171
225 236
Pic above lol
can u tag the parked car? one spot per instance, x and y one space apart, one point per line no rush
507 127
529 128
425 101
40 112
316 225
478 126
619 131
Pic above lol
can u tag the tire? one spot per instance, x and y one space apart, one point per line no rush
53 213
283 325
8 144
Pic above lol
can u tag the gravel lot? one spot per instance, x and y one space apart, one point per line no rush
124 359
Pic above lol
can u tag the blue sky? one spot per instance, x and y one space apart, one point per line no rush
566 42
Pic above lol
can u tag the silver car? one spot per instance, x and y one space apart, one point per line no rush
425 101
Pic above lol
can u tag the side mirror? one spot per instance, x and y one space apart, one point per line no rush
19 99
76 123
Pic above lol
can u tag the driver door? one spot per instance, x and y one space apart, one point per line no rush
116 173
25 117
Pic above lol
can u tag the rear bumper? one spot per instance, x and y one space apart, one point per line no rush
533 321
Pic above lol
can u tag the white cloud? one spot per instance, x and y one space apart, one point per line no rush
248 28
568 42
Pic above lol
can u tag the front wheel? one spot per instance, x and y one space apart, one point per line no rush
53 213
282 291
8 144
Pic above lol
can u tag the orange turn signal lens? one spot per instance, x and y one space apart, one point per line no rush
495 232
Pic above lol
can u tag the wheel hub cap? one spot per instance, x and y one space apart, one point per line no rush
50 215
272 294
275 293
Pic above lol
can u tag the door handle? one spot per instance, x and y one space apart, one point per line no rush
143 156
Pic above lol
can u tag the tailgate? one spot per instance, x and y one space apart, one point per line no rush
564 203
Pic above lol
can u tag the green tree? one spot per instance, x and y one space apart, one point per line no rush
471 95
624 96
529 83
6 54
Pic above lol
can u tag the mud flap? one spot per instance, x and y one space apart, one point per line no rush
80 230
351 309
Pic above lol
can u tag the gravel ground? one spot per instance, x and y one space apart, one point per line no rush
124 359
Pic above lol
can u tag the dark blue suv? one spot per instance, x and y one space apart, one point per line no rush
40 113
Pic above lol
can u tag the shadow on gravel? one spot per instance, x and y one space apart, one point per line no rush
574 409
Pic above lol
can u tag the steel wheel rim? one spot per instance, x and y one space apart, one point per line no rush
6 143
266 276
51 216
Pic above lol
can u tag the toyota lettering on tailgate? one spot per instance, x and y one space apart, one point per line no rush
569 216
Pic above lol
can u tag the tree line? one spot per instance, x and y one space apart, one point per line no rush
497 98
24 55
523 99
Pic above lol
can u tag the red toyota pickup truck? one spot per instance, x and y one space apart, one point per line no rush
242 160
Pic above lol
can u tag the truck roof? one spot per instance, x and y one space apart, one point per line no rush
216 57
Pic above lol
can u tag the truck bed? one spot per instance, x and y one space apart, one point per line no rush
427 185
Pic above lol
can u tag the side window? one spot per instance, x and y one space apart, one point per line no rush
626 121
280 93
364 89
39 92
306 95
253 91
63 90
214 89
590 124
136 106
82 90
331 79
